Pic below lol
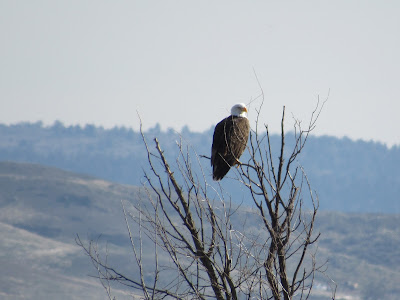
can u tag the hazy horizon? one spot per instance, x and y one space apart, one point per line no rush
162 129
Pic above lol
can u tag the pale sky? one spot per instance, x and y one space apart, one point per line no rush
187 62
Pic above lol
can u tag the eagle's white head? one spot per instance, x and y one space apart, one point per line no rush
239 110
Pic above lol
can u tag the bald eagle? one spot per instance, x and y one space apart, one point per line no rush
229 141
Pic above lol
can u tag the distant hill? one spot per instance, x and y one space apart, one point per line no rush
43 208
41 211
349 176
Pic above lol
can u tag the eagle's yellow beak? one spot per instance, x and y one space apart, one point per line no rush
245 109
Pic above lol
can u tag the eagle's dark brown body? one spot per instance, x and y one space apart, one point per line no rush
229 142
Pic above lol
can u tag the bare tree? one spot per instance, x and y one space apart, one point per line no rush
276 190
212 252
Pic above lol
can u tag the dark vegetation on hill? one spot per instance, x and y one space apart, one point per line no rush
349 176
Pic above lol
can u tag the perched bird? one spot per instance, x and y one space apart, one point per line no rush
229 141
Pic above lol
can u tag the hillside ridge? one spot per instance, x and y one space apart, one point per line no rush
43 209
